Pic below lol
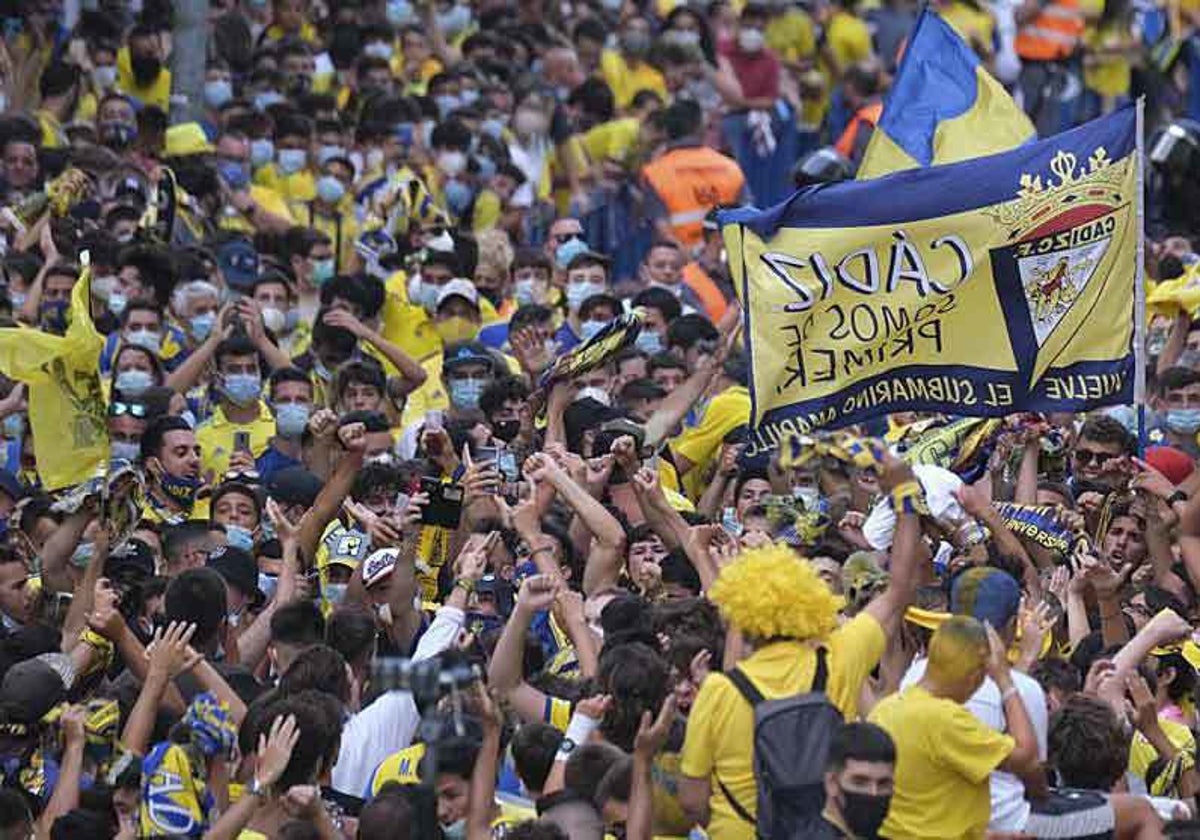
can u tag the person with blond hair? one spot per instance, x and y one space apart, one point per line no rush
784 612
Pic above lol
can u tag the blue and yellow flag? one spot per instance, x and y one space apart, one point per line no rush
978 289
943 107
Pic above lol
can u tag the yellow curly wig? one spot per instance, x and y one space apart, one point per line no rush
768 592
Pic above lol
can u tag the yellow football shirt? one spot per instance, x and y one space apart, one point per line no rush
701 444
216 437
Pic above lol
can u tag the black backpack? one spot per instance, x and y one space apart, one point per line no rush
791 745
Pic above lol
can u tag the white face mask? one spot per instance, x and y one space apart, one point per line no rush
751 40
452 163
383 612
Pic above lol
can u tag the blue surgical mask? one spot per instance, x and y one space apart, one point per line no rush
649 342
330 189
268 584
264 100
14 426
400 12
492 128
335 592
529 290
117 301
181 490
447 104
465 393
568 251
454 21
83 554
458 196
124 450
217 92
242 388
133 383
590 329
238 537
202 325
577 293
150 339
291 419
457 830
189 417
322 271
262 152
1184 421
291 161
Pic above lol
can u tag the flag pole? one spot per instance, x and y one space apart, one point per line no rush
1139 288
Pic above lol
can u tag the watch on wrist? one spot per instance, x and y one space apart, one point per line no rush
465 584
1177 496
566 746
257 788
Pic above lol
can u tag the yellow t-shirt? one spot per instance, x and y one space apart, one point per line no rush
156 93
341 228
1142 755
702 443
296 189
975 24
487 211
944 756
1107 75
53 134
615 140
432 395
720 732
792 36
848 39
626 80
215 437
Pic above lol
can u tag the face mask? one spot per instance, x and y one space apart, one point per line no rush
54 315
133 383
577 293
234 619
291 419
268 584
273 319
202 325
117 301
14 426
636 44
218 92
455 831
291 161
492 128
590 329
506 430
597 394
116 135
264 100
1189 359
452 163
649 342
187 416
458 196
242 388
685 37
322 271
330 189
378 49
454 21
239 537
145 68
123 450
567 251
1184 421
105 77
400 12
18 299
328 153
150 339
182 491
335 592
529 123
750 40
810 497
383 612
864 814
262 151
447 104
291 320
422 293
529 290
465 393
452 330
384 458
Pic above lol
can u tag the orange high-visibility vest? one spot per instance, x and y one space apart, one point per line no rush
866 115
690 181
1054 34
705 290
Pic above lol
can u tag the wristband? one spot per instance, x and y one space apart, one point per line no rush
579 730
102 646
1177 496
909 497
465 585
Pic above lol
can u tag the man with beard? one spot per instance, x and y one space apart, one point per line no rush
59 88
141 73
859 776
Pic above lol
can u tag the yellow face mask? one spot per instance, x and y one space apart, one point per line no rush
456 329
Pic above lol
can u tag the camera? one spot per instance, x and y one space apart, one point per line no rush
428 680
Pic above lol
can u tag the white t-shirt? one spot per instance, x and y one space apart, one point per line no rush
388 724
1009 808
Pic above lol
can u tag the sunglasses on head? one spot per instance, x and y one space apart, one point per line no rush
119 409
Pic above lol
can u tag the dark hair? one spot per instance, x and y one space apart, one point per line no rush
237 488
351 632
530 258
659 299
500 391
533 749
319 720
1104 429
529 315
14 808
82 824
1056 673
617 782
678 569
586 768
860 742
374 478
235 345
288 374
1177 377
297 623
1087 745
688 330
637 677
198 596
364 371
177 537
667 360
388 816
320 668
362 290
536 829
57 78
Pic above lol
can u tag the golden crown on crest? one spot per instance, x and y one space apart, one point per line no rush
1100 181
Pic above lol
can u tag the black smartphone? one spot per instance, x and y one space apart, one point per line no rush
241 441
444 509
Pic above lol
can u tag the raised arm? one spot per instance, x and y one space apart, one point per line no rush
328 504
908 552
70 772
169 657
409 368
505 670
1023 760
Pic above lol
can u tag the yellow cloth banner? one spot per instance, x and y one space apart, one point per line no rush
980 288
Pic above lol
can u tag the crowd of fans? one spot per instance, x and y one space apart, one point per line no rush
382 570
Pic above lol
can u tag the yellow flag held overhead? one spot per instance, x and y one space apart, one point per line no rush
998 285
943 107
66 405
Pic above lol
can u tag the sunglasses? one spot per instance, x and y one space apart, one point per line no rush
243 476
1087 456
120 409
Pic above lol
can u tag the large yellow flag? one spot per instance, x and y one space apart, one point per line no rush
66 405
